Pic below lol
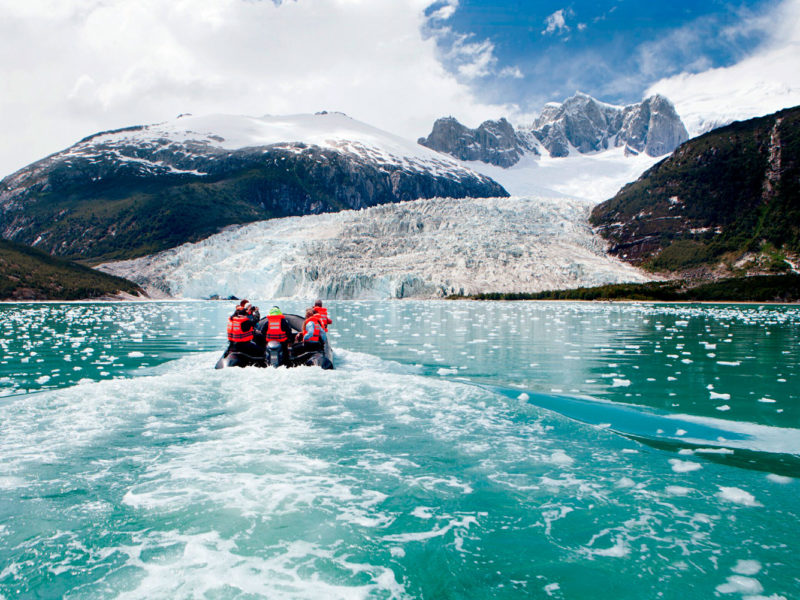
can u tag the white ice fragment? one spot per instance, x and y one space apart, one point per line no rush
677 490
766 400
620 382
523 397
716 396
723 408
559 457
740 585
684 466
747 567
135 354
779 478
737 496
43 379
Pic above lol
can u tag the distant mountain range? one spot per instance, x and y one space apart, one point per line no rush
579 124
142 189
727 201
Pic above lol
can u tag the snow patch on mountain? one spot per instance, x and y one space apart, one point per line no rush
424 248
593 177
209 133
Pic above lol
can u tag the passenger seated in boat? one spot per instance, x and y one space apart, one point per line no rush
313 336
279 331
323 314
240 333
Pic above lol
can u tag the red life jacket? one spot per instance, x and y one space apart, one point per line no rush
275 332
235 332
323 316
315 337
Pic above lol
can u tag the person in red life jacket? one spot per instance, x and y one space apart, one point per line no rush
323 314
313 336
240 333
278 330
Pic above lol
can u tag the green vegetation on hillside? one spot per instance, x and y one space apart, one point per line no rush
762 288
733 190
30 274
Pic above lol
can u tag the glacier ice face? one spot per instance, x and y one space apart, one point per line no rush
423 249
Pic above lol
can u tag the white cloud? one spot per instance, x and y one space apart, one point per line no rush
90 65
513 72
764 82
556 23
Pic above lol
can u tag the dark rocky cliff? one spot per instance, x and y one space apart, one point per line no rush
730 192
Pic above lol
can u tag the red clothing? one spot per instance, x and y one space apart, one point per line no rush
322 312
275 332
240 329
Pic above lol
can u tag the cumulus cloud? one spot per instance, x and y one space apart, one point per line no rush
556 24
764 82
90 65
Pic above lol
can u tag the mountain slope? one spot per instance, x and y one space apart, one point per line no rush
143 189
733 190
30 274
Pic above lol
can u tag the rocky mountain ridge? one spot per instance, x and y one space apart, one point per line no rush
579 124
727 202
142 189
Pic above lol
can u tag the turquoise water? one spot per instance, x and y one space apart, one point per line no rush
460 450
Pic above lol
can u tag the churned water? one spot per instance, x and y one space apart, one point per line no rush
460 450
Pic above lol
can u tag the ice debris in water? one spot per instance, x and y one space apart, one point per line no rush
684 466
737 496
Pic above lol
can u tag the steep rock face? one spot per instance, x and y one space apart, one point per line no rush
724 193
651 126
493 142
138 190
580 123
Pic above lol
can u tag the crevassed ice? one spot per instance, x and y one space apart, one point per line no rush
423 248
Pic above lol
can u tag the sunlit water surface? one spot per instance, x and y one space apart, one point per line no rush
460 450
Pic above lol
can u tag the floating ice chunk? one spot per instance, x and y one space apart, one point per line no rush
625 482
422 512
550 588
620 382
523 397
737 496
43 379
677 490
741 585
559 457
444 371
684 466
726 363
766 400
397 552
716 396
724 407
747 567
135 354
779 478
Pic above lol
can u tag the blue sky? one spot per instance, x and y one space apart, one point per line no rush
612 49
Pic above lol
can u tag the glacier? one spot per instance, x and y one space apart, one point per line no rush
421 249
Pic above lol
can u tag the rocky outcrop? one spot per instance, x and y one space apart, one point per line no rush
580 123
139 190
731 192
493 142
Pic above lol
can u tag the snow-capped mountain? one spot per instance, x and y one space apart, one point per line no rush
580 124
426 248
141 189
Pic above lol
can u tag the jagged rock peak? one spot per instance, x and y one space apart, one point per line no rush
493 142
588 125
581 123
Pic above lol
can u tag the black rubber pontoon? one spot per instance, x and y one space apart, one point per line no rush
316 358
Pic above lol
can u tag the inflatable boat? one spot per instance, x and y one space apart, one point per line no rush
272 354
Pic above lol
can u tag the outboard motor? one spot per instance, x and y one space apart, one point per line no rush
274 354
